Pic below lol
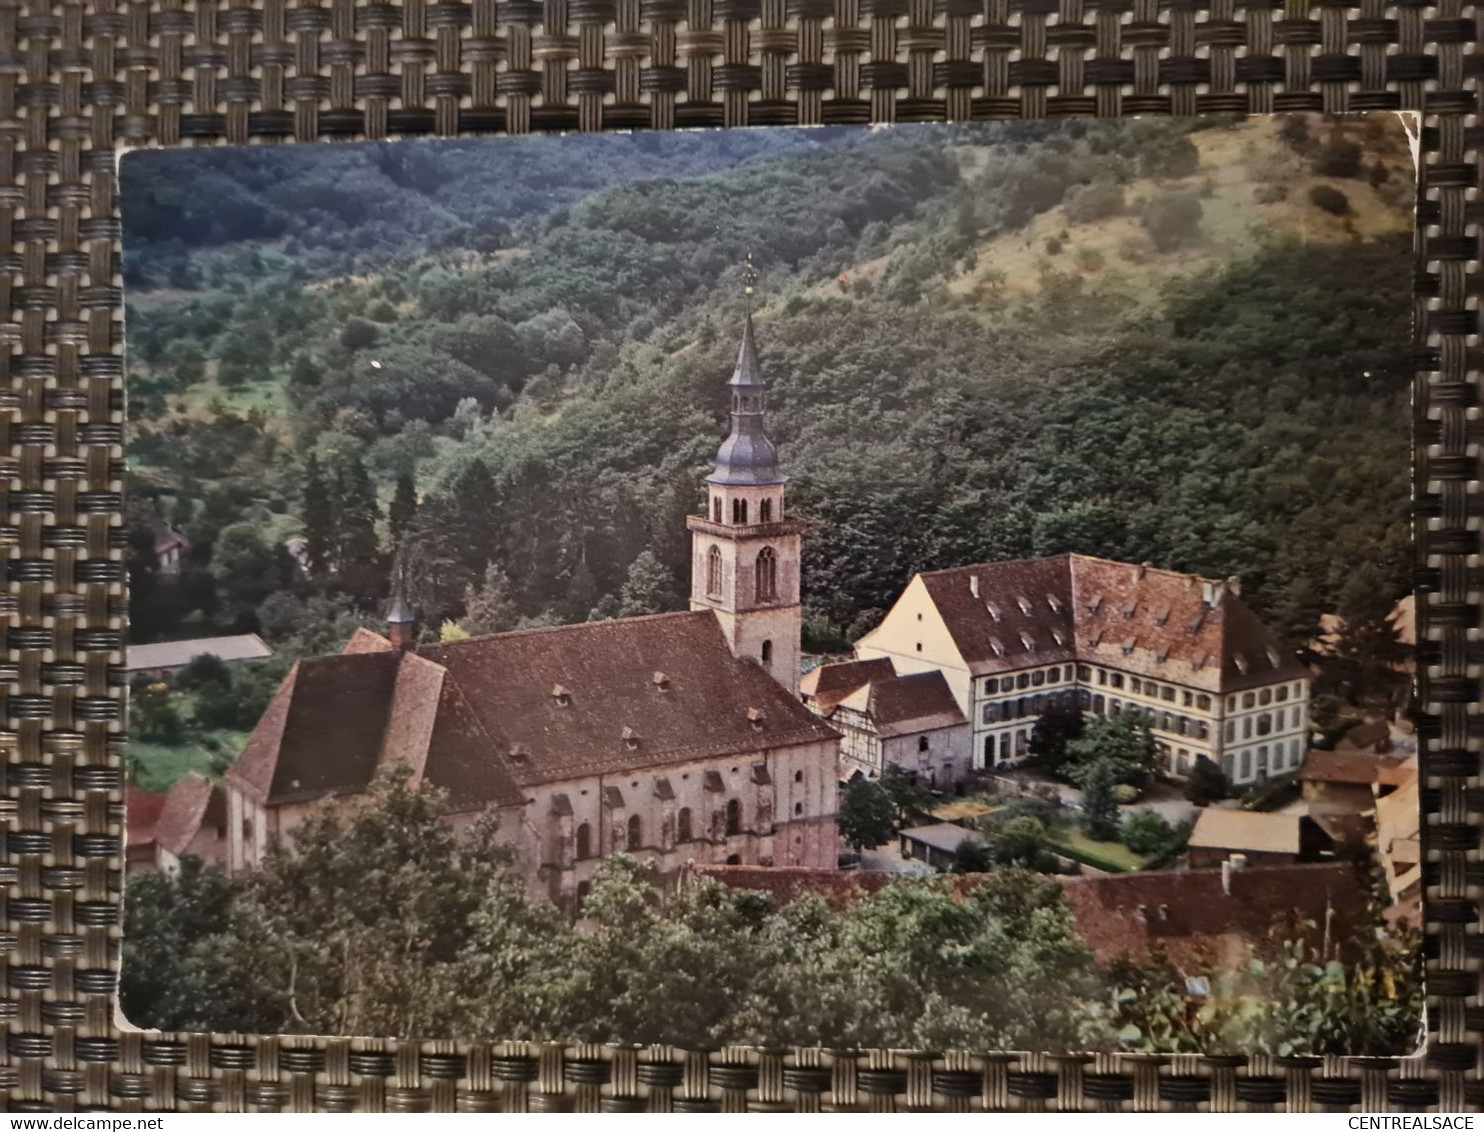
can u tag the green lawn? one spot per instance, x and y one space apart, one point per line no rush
161 766
1108 855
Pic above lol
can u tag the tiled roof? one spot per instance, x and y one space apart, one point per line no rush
830 683
712 704
896 705
177 654
1374 736
191 803
142 814
1189 915
921 701
483 717
1183 628
1358 767
1244 829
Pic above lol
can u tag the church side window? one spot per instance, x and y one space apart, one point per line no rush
584 841
767 652
739 511
734 817
716 510
682 825
766 576
636 832
765 511
713 571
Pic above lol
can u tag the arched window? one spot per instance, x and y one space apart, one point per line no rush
716 510
922 742
636 832
767 652
682 826
584 841
765 511
739 511
734 817
713 571
766 577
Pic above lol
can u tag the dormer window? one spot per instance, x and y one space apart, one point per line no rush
1274 659
1054 603
1096 604
1027 642
993 610
1129 645
519 755
755 718
560 696
630 739
1129 609
1241 662
1025 606
1162 618
661 681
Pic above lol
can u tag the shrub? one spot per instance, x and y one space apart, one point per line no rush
1053 246
1270 193
1124 794
1145 833
1206 783
357 334
1090 259
1172 219
1087 204
1329 198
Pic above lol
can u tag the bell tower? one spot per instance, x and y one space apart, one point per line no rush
744 550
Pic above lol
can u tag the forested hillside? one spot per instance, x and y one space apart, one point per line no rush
1174 342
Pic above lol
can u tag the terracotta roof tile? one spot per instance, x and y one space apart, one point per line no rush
921 701
191 802
830 683
714 703
1194 631
142 814
1358 767
332 737
484 717
1189 915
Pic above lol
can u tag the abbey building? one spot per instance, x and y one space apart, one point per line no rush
677 738
1182 652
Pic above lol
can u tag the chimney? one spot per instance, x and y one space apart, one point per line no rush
1210 592
1229 866
1234 586
1144 568
974 584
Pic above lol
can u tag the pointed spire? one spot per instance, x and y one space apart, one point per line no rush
400 620
747 456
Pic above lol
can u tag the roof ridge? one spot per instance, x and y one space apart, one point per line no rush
610 622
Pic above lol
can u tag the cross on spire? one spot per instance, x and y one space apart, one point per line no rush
749 282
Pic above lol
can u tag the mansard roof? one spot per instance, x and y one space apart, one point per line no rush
1189 630
487 717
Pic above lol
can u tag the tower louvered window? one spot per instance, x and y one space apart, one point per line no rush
767 574
713 571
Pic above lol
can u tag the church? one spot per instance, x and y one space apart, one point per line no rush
674 738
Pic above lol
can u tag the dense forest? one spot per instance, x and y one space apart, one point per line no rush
501 366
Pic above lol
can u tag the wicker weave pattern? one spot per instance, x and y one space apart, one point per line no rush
79 81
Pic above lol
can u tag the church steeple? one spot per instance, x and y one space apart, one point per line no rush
401 622
747 455
745 554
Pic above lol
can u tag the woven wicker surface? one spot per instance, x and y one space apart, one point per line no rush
80 81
